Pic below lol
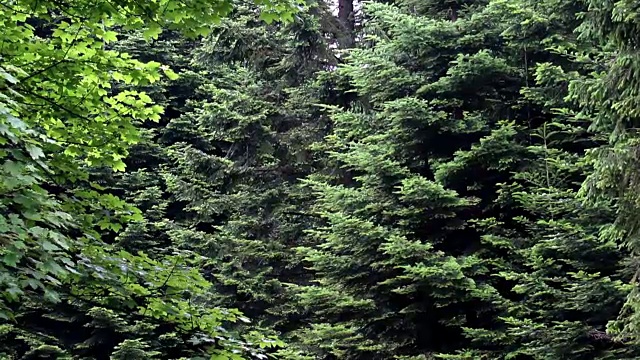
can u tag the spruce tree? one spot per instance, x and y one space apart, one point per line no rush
609 97
453 223
236 173
218 174
561 292
398 269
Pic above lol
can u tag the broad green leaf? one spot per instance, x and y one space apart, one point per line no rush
11 258
48 246
34 151
152 31
8 77
110 36
119 166
170 73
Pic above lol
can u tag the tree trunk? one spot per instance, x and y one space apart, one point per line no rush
346 16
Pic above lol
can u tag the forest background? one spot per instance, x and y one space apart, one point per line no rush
411 180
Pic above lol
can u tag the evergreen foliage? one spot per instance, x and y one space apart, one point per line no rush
365 180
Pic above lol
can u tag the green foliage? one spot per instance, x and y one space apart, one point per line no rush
418 196
217 176
64 111
609 97
453 226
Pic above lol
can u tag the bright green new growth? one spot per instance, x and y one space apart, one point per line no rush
62 111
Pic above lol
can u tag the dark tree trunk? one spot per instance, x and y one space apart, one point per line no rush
346 16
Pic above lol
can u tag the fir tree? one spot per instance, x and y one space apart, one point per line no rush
398 269
609 97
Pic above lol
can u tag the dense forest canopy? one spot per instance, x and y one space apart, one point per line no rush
279 179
